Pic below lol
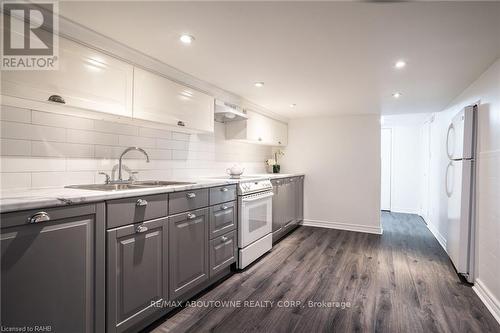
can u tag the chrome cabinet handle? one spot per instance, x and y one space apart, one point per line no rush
224 189
223 238
191 216
181 123
260 139
39 217
191 195
141 202
56 99
224 207
141 228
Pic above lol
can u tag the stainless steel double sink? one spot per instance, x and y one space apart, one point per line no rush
129 186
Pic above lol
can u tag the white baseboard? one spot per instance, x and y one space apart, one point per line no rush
487 298
440 238
343 226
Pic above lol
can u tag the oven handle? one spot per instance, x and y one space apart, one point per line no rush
260 197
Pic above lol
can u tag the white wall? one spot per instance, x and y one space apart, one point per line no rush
341 159
406 186
486 89
40 149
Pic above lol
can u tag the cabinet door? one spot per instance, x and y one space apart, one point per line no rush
52 271
188 251
259 128
85 79
280 133
159 99
137 273
222 252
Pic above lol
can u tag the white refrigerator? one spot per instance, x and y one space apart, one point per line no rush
460 190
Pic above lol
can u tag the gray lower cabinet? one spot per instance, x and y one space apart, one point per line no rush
53 269
137 273
188 251
222 252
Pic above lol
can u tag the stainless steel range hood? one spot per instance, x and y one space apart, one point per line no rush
225 112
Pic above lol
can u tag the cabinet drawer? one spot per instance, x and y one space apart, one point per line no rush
222 252
136 209
222 194
222 219
187 200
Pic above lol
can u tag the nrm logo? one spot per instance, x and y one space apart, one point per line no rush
28 29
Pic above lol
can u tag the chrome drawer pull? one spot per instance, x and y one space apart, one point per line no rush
224 189
141 202
191 195
39 217
141 228
191 216
224 207
223 238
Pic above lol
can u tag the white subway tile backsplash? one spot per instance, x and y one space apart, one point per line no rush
15 147
13 130
59 120
58 179
180 136
136 141
116 128
61 149
172 144
10 113
32 164
90 137
12 180
154 133
41 149
180 154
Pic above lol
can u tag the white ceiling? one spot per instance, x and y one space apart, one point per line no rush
327 57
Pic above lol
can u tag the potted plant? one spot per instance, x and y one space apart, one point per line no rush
274 162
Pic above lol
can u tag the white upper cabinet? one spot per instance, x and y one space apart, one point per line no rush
159 99
258 129
85 79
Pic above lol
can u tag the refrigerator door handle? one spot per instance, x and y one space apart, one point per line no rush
450 129
449 191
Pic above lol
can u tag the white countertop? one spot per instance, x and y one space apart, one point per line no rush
15 200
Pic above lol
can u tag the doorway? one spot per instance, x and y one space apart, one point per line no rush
385 168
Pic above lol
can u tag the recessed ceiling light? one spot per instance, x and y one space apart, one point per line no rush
259 84
400 64
186 39
396 95
293 105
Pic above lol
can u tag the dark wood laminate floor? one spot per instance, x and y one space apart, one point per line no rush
401 281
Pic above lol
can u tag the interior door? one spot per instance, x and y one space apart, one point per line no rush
385 167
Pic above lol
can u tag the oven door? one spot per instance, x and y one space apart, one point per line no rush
255 217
